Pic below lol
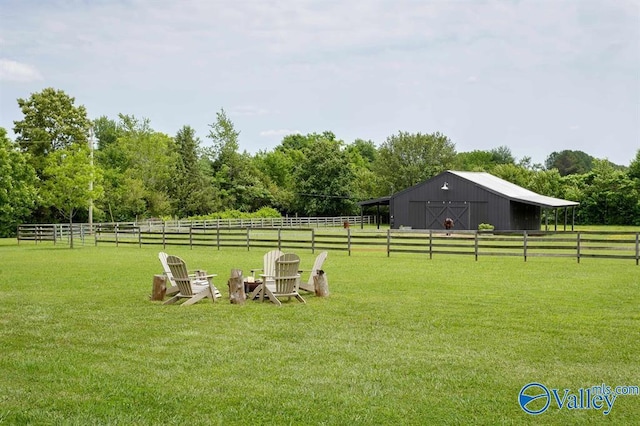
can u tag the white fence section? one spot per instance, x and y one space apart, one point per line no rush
61 231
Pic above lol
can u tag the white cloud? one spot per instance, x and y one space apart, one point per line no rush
279 132
362 69
16 71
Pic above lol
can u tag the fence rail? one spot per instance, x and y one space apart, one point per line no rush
61 231
578 245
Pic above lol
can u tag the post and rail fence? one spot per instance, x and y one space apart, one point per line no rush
61 231
250 235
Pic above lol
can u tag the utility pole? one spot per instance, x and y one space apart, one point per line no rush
91 180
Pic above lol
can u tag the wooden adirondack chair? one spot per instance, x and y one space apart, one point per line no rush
268 269
286 280
174 286
317 265
189 287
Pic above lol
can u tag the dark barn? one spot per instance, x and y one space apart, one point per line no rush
470 198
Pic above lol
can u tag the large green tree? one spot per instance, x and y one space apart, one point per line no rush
483 161
72 181
406 159
323 180
277 166
191 190
502 155
138 168
240 183
569 162
17 186
362 156
51 122
609 196
474 161
106 131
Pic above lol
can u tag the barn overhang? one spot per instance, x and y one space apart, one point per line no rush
381 201
556 205
519 194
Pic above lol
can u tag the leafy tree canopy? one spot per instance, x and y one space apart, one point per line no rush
406 159
72 181
51 121
323 179
634 167
569 162
17 186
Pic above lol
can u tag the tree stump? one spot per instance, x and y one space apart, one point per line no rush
320 284
159 288
237 296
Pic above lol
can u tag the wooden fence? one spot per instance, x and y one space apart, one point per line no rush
59 231
578 245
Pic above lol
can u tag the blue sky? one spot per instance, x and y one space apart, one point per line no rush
537 76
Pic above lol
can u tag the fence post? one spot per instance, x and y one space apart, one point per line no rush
191 236
430 243
313 241
349 240
218 235
95 235
388 242
637 247
279 240
248 238
139 236
525 244
115 228
578 246
475 248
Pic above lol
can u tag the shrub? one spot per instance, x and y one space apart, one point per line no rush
264 212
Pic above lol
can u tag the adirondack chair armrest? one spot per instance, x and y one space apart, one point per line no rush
194 272
253 271
199 273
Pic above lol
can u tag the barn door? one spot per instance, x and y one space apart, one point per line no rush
437 213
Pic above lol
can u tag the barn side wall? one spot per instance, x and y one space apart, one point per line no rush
426 205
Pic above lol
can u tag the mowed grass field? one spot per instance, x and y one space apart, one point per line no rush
400 340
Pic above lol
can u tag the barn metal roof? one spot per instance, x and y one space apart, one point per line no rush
382 201
511 190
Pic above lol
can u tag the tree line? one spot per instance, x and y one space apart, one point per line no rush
61 162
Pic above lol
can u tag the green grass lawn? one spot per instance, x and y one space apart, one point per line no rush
400 340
